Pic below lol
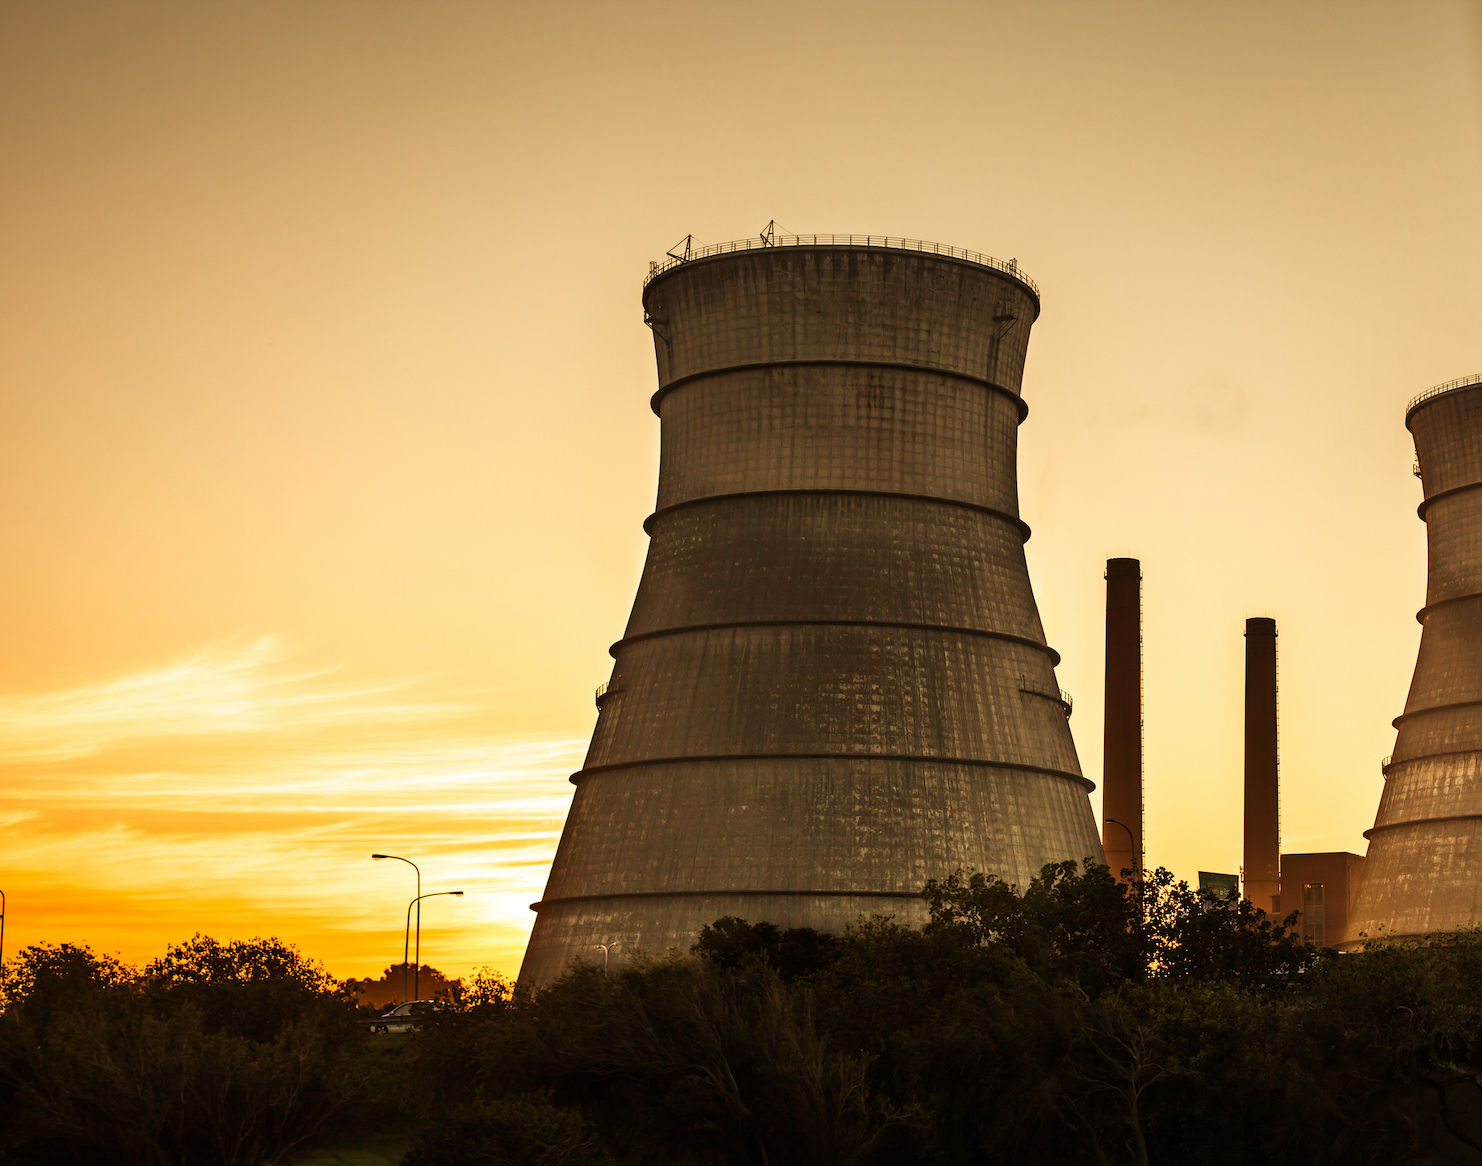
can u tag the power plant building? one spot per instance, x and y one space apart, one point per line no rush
834 684
1423 872
1322 887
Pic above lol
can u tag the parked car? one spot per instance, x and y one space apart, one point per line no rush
403 1018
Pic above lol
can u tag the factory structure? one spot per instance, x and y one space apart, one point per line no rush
834 684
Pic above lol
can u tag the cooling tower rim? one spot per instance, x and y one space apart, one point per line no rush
1378 826
1391 762
1452 386
692 254
1014 519
1435 708
1424 507
948 629
1425 612
920 758
983 382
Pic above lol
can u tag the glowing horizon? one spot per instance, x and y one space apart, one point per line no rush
325 444
233 790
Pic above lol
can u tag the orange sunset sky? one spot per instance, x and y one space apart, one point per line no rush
324 429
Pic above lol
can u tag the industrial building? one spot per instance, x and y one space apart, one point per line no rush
1322 887
834 684
1424 867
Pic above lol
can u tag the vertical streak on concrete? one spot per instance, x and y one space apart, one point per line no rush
1262 806
1122 802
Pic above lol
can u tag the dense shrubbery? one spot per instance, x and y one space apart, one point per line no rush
228 1054
1073 1022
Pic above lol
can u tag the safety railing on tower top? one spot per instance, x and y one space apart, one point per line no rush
1458 383
693 250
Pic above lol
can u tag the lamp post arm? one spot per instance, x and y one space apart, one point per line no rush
1131 841
417 902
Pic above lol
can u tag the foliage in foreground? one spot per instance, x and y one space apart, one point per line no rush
1073 1021
221 1053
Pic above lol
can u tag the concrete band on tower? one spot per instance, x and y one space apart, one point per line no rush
834 684
1423 872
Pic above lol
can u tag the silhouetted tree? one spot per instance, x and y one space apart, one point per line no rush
223 1053
729 942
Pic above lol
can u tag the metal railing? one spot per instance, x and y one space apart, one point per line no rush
1385 762
1058 695
759 242
602 691
1458 383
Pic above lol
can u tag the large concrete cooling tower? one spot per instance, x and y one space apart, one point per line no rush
1424 868
834 684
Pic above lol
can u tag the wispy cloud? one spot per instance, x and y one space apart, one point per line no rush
232 790
239 689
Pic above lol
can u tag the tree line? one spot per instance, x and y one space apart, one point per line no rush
1079 1019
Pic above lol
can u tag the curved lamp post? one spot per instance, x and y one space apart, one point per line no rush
604 948
1131 838
418 869
2 939
417 976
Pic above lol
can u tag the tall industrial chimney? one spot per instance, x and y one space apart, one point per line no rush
834 684
1121 782
1262 803
1424 868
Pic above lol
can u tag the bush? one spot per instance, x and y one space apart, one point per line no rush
230 1054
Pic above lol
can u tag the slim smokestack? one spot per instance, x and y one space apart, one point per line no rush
1121 833
1262 809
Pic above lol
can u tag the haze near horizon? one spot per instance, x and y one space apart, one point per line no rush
326 438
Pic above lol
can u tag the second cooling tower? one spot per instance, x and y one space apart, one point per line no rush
1424 868
834 684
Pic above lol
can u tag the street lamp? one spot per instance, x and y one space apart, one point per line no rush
603 948
2 939
418 869
417 975
1131 839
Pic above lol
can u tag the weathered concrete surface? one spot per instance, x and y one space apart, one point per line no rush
834 684
1423 872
